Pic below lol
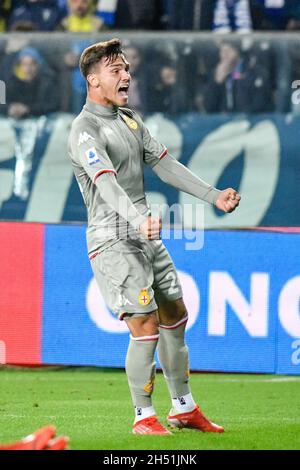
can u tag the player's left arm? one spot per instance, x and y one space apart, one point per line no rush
169 170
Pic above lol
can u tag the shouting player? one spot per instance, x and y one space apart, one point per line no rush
108 147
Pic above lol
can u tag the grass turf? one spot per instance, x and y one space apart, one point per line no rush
93 407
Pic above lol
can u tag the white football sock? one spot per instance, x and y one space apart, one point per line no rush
142 413
184 404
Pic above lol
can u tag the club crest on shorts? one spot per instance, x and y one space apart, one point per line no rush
130 122
92 156
144 297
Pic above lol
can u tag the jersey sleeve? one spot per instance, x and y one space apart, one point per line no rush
154 151
88 149
177 175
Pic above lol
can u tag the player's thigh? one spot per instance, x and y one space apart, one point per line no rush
124 275
166 284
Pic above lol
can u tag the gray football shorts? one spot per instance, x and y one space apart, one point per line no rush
135 276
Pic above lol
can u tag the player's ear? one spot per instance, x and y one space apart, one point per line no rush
93 80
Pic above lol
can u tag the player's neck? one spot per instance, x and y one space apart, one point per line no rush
98 108
101 101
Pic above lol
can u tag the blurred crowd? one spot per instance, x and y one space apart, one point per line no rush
173 76
95 15
244 75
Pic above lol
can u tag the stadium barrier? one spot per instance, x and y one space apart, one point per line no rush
256 154
242 290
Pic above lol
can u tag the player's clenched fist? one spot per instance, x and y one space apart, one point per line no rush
228 200
150 228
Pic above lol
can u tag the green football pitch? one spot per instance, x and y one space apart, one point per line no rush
92 406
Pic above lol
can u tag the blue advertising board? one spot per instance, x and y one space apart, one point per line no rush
242 291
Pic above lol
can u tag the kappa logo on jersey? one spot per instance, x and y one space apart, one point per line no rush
144 297
84 137
92 156
123 300
130 122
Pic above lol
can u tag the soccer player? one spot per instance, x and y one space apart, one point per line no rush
108 146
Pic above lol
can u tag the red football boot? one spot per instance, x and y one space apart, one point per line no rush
194 419
150 425
35 441
58 443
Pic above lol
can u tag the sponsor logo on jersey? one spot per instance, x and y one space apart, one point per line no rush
92 156
130 122
144 297
84 137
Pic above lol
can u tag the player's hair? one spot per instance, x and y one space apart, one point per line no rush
94 53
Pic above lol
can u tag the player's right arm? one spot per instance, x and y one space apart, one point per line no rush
115 196
88 150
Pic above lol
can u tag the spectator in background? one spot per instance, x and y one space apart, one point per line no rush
189 14
237 84
166 94
221 16
31 89
35 15
80 18
31 93
77 95
106 10
5 8
12 48
232 15
202 59
276 14
131 14
63 5
137 91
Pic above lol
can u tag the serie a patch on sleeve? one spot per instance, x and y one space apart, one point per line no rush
92 156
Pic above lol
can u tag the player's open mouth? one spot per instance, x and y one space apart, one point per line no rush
123 91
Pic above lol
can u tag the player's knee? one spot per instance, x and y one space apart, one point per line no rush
145 325
149 325
180 315
181 311
173 312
